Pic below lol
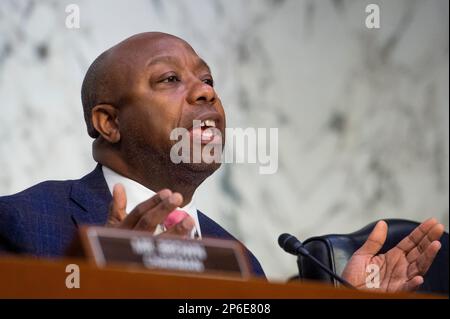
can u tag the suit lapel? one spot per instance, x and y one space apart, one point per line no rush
91 193
210 228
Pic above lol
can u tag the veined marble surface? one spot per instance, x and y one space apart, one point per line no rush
362 113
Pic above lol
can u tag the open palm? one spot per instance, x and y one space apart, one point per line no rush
400 269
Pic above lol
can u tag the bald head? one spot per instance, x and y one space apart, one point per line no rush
108 78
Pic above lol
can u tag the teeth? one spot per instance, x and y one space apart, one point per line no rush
207 134
209 123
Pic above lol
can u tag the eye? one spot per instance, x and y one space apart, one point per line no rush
169 79
210 82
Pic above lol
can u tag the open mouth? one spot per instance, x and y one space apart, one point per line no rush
206 131
208 123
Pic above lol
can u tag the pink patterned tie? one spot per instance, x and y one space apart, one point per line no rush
174 218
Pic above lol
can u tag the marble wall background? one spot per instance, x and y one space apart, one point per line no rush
362 114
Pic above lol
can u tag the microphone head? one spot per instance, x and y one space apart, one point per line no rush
289 243
282 239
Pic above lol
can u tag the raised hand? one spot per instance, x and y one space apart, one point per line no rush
402 268
149 214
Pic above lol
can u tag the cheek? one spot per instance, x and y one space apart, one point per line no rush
152 121
166 115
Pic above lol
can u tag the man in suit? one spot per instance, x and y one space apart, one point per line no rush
134 95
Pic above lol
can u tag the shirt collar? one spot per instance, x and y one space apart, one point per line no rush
137 193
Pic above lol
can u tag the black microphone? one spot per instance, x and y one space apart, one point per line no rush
294 246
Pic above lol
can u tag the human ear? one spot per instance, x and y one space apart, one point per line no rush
105 120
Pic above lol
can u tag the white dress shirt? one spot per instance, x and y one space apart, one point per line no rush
137 193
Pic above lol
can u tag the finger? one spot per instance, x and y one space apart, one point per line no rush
156 215
426 259
118 205
375 241
414 283
183 228
421 265
433 234
141 209
413 239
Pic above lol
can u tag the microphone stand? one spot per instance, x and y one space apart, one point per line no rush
304 252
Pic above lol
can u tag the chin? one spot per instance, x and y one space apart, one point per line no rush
197 171
195 174
202 167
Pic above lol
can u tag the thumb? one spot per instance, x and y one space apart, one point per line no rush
117 208
375 241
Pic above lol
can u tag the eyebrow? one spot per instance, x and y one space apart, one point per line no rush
202 63
169 59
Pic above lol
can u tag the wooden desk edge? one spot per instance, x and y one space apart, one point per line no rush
26 277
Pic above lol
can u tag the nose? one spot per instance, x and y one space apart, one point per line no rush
201 93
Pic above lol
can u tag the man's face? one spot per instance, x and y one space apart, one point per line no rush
167 86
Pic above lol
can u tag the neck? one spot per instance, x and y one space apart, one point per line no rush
153 176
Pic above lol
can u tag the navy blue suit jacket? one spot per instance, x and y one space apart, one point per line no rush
43 219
